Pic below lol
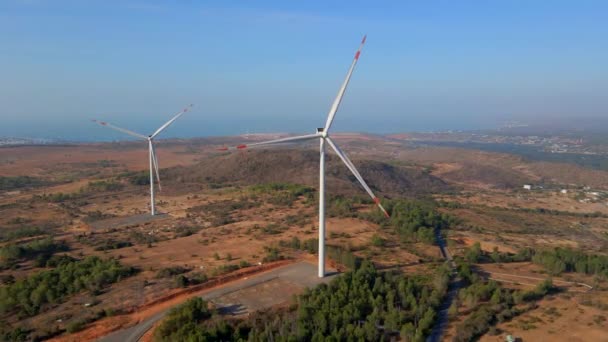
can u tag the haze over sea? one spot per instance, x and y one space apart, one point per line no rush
198 124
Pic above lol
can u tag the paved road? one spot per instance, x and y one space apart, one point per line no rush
301 273
455 284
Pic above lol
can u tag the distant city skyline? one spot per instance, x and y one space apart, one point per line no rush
272 66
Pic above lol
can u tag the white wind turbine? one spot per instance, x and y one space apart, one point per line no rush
151 150
323 135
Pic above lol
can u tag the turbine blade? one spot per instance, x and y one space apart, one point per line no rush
272 142
356 173
168 123
155 164
338 100
123 130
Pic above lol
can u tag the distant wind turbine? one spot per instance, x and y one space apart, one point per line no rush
151 150
323 135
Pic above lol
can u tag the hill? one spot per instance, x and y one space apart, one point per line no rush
302 167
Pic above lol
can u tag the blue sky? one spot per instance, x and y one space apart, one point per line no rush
263 66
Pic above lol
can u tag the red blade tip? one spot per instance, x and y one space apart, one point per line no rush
240 147
364 38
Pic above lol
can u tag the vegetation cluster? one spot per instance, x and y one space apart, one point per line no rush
40 250
28 296
363 304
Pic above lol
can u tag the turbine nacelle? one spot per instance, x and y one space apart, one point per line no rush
321 132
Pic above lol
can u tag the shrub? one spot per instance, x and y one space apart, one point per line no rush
96 215
75 326
112 244
171 271
21 233
473 255
272 254
100 186
184 231
181 281
181 321
141 178
197 278
377 241
273 229
40 250
18 182
222 269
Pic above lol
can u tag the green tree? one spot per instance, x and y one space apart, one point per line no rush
473 255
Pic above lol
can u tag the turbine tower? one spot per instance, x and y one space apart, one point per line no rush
151 150
323 135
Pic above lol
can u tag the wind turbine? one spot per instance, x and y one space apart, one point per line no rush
151 150
323 135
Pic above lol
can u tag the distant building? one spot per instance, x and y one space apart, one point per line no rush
527 186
